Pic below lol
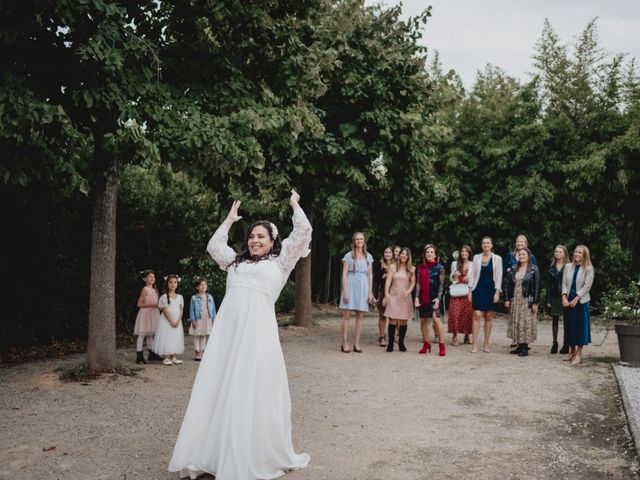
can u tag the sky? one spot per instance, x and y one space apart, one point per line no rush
468 34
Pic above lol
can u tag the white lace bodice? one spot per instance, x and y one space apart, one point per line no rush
265 276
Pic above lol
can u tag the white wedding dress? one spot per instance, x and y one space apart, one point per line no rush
238 422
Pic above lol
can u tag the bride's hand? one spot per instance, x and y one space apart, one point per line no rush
233 212
294 199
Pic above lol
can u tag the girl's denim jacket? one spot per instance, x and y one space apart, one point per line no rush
195 310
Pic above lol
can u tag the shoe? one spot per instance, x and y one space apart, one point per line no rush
466 339
474 350
564 350
517 350
175 360
576 360
524 351
513 344
391 334
357 350
569 358
554 347
442 352
343 350
167 361
153 357
403 333
198 356
426 347
140 358
382 341
454 342
486 350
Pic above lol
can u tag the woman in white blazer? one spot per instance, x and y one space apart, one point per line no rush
485 285
576 283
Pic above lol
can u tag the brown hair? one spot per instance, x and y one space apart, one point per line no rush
460 263
528 259
566 254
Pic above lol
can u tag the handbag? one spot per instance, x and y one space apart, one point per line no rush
458 289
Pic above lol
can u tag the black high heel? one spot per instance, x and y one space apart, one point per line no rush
343 350
356 349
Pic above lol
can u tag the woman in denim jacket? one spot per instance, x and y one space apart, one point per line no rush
202 312
522 297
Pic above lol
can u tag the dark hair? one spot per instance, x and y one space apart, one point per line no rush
143 275
529 258
424 252
199 280
383 264
460 264
166 285
245 256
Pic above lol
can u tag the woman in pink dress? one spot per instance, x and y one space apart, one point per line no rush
397 298
147 319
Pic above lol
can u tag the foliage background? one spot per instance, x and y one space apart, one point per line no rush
333 98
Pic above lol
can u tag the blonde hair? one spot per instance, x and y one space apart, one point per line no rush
353 248
526 242
586 256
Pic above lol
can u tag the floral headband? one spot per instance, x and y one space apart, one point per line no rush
274 231
177 278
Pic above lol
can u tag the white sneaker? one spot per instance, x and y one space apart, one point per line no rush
167 361
176 361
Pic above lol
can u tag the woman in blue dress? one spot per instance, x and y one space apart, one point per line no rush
485 285
576 283
357 289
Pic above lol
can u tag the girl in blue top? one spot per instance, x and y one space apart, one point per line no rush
357 289
202 312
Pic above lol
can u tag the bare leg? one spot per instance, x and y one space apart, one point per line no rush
437 327
475 329
382 323
359 319
488 318
424 327
577 357
346 314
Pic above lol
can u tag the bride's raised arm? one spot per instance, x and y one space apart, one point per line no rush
217 247
296 245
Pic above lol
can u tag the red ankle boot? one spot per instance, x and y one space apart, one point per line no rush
426 346
442 350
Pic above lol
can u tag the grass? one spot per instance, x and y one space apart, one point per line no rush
78 372
607 359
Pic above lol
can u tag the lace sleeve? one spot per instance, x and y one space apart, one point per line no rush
296 245
222 253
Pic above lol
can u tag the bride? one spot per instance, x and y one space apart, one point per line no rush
238 422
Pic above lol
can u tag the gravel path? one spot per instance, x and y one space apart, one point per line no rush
374 415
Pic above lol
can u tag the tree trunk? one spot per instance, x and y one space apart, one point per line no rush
101 344
303 305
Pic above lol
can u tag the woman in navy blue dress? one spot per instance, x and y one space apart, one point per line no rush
576 283
485 285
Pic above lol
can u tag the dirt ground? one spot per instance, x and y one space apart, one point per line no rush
374 415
